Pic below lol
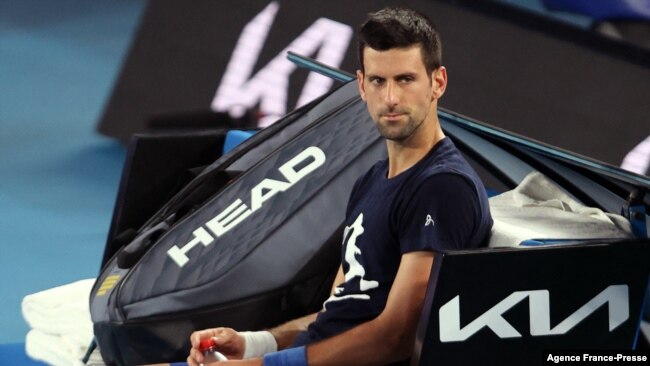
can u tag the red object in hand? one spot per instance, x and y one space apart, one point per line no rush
206 344
209 349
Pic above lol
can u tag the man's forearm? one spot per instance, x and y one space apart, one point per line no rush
286 333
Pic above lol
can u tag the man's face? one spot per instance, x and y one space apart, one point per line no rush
399 92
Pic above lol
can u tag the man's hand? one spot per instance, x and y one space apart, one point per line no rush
233 345
230 343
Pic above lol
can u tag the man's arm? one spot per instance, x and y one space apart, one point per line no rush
232 344
390 336
385 339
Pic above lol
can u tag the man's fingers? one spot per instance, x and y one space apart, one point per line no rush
223 336
196 355
197 336
227 341
191 361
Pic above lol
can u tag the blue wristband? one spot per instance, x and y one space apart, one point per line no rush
296 356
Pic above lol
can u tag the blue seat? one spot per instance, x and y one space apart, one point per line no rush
234 138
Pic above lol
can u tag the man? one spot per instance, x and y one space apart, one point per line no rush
424 197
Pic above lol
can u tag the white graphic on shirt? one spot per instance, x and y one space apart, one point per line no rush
429 221
355 269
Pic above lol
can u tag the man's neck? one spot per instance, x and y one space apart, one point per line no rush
404 154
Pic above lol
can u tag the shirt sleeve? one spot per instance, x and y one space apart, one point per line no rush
442 213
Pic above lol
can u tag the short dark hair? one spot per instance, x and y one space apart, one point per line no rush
395 27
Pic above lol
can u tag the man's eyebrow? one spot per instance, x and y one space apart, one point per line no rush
371 76
406 75
398 76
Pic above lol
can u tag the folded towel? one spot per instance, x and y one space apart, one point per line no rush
61 310
61 326
57 350
540 209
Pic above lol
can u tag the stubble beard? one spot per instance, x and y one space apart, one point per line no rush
399 133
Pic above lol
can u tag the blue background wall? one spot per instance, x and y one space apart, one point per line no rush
58 62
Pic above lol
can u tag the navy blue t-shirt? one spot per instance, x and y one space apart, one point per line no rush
439 203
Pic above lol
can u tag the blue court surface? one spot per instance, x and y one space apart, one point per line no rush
58 63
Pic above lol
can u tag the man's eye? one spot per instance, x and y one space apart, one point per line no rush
376 81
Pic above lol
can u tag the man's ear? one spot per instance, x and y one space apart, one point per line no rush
362 91
439 78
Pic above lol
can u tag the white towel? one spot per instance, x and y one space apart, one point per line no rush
57 350
62 310
61 326
540 209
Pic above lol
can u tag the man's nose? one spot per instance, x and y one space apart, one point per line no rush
391 97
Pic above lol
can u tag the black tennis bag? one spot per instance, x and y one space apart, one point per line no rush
251 242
